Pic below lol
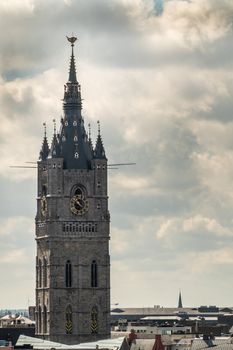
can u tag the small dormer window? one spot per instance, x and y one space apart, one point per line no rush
75 123
98 206
54 166
98 166
75 138
76 155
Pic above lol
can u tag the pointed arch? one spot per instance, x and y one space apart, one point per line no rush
69 320
94 320
68 274
94 274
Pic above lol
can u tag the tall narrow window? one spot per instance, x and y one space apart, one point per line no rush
94 277
39 319
45 267
45 320
44 190
68 274
94 320
39 273
68 324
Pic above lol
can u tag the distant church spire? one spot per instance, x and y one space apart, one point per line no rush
45 147
180 305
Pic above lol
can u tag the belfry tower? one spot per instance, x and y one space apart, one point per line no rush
72 229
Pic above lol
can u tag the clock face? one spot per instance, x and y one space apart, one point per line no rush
78 205
43 205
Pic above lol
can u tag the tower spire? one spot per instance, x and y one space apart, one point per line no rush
72 90
72 73
73 140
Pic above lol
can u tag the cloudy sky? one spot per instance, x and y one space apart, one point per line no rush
159 77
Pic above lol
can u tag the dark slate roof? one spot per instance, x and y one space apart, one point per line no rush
55 150
99 152
74 143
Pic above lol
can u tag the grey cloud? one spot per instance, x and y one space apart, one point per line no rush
151 93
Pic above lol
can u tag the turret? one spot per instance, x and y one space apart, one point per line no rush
45 147
55 150
99 152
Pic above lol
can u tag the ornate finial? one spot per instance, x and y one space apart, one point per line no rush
98 123
54 127
45 131
89 131
72 40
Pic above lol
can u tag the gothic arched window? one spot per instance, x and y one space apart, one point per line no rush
68 324
45 267
45 320
39 319
39 273
68 274
94 320
94 274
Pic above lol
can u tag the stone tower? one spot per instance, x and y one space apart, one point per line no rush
72 229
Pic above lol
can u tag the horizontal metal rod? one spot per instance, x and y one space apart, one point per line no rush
22 166
118 164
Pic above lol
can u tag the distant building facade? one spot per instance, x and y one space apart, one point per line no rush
72 229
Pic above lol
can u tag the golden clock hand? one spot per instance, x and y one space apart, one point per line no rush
78 201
